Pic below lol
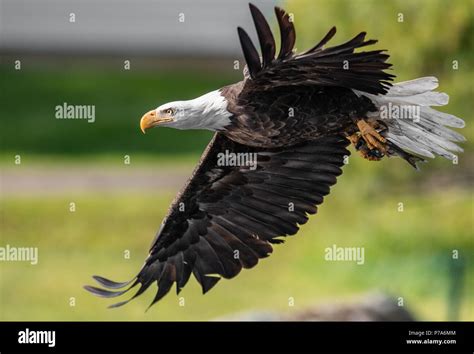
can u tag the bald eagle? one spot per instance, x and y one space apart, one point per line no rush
295 114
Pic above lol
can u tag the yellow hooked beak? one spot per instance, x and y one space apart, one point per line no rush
151 119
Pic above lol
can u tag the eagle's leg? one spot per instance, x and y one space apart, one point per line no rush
370 135
354 139
368 141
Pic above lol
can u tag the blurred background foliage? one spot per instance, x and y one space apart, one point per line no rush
407 253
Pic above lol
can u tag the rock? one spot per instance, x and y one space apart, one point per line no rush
371 307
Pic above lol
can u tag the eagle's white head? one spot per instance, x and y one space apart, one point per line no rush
205 112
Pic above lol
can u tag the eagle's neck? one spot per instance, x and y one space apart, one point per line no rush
208 111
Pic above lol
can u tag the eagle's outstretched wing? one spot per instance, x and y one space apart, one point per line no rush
227 217
334 66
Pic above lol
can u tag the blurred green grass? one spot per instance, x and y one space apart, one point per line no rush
406 254
120 98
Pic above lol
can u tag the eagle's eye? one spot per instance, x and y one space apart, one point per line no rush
169 111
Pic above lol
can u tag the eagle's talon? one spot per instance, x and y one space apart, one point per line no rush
359 144
356 140
369 134
377 153
370 154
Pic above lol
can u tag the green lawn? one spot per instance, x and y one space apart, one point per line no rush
407 254
29 98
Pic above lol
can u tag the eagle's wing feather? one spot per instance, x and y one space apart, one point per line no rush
265 36
287 33
334 66
250 52
227 217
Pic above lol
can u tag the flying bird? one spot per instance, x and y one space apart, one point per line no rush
296 113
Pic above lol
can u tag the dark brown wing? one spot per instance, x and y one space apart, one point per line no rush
334 66
227 217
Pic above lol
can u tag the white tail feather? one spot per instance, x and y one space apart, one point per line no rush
423 132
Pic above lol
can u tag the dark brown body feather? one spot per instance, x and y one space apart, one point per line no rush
282 117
